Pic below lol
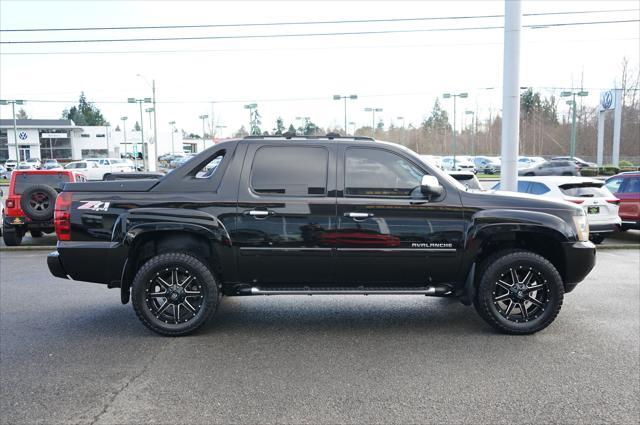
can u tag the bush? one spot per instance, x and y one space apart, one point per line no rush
589 172
625 163
609 170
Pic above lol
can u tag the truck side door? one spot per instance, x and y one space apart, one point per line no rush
286 209
388 232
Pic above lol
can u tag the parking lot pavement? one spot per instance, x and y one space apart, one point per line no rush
70 352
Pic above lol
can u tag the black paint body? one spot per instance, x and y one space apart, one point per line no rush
309 240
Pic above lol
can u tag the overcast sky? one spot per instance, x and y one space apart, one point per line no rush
297 76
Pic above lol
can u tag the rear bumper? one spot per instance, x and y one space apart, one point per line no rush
580 258
55 265
604 227
25 222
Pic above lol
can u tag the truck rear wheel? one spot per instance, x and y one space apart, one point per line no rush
519 292
174 294
11 236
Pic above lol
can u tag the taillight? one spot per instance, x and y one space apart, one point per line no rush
11 203
62 216
575 201
614 201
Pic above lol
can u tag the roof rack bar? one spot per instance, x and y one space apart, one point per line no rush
291 136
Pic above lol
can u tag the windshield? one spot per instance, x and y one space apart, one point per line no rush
586 190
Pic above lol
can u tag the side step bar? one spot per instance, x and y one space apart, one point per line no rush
429 290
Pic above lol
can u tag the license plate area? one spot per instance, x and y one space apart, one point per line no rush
593 210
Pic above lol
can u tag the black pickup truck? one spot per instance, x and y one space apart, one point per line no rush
319 215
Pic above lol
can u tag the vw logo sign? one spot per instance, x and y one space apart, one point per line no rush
606 100
22 135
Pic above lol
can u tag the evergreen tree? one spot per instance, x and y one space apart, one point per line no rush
136 126
279 130
85 113
22 115
438 120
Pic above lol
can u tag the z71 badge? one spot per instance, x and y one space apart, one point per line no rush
94 206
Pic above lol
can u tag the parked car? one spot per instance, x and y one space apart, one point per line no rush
51 164
328 215
10 164
114 165
90 169
487 164
467 179
461 164
626 187
579 162
35 162
433 159
551 168
30 203
598 202
529 161
25 166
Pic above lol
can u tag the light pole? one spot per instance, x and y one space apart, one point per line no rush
203 118
461 96
572 102
173 130
353 123
373 119
251 107
145 154
149 110
152 158
15 125
338 97
124 130
473 129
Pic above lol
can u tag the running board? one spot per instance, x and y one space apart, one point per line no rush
429 290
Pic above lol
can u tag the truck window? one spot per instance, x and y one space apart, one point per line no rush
211 167
23 181
375 172
290 171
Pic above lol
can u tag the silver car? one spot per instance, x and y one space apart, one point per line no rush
551 168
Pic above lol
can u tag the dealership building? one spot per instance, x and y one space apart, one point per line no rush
64 140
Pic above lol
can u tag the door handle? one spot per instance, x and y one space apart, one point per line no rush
259 213
358 215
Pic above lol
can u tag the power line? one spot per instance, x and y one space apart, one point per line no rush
319 34
255 49
350 21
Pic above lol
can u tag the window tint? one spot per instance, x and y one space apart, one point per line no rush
23 181
374 172
523 187
290 171
586 190
538 188
632 186
614 184
210 169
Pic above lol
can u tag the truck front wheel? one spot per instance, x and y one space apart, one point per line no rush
520 292
174 294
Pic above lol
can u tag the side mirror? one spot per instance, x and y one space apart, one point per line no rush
430 186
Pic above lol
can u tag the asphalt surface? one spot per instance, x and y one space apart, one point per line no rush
70 352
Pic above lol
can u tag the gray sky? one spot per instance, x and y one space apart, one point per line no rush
297 76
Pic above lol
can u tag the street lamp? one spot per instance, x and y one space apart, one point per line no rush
203 118
473 137
15 125
124 129
144 149
173 130
152 158
149 110
572 103
351 97
448 96
373 119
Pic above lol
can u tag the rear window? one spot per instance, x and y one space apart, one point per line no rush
586 190
23 181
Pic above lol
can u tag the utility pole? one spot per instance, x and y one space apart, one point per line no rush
338 97
145 153
149 110
473 132
124 129
463 95
15 125
373 119
203 118
173 130
573 106
511 95
251 107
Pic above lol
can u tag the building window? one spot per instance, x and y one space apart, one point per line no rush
95 153
55 144
100 135
85 135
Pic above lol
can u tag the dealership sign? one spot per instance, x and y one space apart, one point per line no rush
54 135
606 100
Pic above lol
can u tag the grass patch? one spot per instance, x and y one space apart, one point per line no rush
4 181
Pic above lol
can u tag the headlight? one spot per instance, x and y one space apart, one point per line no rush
582 226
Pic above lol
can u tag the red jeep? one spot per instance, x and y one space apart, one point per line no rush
31 202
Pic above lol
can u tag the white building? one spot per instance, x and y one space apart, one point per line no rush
63 140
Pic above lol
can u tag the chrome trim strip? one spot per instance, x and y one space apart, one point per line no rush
267 248
425 291
398 249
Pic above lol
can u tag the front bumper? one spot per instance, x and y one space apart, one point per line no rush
580 258
55 265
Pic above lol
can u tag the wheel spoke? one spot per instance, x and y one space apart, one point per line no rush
162 282
523 310
527 278
176 312
514 277
163 308
158 294
174 277
534 301
534 287
503 285
188 305
502 297
185 283
509 309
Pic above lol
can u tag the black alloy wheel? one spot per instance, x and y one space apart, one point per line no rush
174 294
519 292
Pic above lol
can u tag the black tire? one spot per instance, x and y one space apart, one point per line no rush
492 294
158 312
35 233
11 236
38 201
529 174
596 239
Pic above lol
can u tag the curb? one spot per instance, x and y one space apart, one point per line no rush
619 246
